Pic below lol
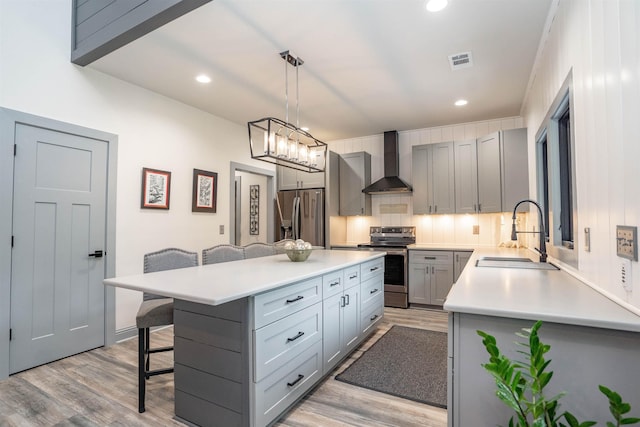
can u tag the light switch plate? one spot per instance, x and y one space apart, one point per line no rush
222 229
627 242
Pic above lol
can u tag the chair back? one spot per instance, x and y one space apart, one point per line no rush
167 259
222 253
258 249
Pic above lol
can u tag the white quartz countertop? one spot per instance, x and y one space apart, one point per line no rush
551 296
216 284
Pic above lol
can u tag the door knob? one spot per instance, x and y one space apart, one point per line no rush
97 254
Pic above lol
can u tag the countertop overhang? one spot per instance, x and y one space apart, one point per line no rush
551 296
216 284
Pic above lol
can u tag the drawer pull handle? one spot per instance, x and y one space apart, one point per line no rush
374 268
429 257
373 291
298 298
336 283
300 377
374 317
353 277
296 337
347 297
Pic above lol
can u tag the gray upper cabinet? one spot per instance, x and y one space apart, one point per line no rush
355 174
292 179
491 172
466 176
515 171
433 178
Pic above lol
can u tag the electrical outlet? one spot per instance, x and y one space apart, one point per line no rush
627 242
625 274
476 229
222 229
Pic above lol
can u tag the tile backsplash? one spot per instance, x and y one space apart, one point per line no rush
493 229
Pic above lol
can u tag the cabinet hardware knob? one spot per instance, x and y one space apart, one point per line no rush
435 209
374 317
291 384
373 269
97 254
298 335
429 257
342 301
298 298
373 291
336 283
347 299
353 277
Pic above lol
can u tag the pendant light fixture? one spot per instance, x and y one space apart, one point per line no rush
285 144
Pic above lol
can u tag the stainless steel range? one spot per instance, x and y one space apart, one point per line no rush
393 241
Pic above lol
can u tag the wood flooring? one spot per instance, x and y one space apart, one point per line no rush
99 388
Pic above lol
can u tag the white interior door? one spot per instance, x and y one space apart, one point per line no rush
59 222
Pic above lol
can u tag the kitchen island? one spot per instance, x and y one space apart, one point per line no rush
593 339
252 337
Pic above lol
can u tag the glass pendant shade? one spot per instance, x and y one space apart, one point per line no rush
275 141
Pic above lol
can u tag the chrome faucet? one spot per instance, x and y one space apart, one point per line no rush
543 236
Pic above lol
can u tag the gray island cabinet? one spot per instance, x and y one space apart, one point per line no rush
250 335
593 340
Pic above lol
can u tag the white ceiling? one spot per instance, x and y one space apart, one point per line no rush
369 65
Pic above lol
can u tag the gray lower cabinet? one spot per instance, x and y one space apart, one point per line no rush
341 317
459 262
430 276
581 357
246 362
355 175
433 178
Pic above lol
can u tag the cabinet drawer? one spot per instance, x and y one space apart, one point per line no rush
332 283
279 342
371 288
351 276
274 305
279 390
431 257
372 314
371 268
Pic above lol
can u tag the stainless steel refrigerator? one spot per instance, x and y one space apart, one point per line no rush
300 215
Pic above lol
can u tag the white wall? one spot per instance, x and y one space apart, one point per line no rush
599 41
37 77
494 229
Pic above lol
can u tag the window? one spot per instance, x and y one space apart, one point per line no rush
564 156
543 162
556 177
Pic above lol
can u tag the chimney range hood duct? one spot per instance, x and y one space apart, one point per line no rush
391 183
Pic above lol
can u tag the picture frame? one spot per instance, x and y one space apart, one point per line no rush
156 188
254 213
205 191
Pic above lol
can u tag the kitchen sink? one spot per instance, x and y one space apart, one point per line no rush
514 262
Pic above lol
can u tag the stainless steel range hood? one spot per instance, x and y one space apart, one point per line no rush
391 183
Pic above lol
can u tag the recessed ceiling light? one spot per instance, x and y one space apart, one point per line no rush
203 78
461 102
436 5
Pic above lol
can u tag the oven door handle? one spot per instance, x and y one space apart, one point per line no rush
404 253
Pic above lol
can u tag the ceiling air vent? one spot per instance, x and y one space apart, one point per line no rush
460 60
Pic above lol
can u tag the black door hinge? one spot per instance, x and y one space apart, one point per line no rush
15 149
10 334
11 241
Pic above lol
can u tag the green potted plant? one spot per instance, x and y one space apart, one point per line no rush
521 386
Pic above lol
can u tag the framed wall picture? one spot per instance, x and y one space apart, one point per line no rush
156 185
205 185
254 213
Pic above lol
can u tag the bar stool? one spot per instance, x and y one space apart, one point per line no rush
258 249
222 253
156 310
